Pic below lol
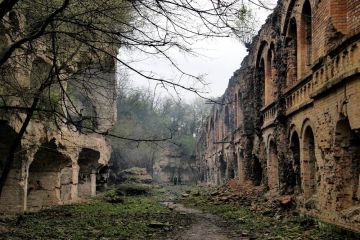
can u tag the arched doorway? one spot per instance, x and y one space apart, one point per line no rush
309 163
88 163
347 159
257 171
50 177
292 170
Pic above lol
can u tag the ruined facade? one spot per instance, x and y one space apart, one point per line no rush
59 160
172 166
290 117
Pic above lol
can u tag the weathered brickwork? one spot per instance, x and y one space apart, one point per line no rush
56 162
290 117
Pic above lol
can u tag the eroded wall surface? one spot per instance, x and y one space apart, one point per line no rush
60 156
290 117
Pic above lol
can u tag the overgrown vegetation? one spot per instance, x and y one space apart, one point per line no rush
133 218
251 218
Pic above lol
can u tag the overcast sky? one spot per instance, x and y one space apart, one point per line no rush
216 59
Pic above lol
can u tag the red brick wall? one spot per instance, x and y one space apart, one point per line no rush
320 21
338 10
353 14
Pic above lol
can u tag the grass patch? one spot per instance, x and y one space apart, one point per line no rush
96 220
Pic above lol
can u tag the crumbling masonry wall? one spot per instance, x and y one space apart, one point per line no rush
57 162
294 105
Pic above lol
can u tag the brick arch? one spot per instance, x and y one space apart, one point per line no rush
308 160
293 166
293 128
304 46
289 13
307 122
50 177
261 71
270 72
260 52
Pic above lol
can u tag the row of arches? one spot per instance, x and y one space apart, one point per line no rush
301 168
49 177
266 72
298 55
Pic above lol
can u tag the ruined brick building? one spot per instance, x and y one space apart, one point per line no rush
290 117
56 162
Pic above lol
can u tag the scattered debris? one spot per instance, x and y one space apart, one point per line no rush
156 224
135 175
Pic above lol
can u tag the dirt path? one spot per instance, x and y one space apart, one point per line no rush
206 226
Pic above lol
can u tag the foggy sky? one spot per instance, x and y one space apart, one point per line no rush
215 59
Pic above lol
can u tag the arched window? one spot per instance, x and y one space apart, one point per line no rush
305 41
257 171
270 88
261 74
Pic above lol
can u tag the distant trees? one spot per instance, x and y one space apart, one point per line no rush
143 116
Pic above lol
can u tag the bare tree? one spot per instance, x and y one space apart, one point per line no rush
50 47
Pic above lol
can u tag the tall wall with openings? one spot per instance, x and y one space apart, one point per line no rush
295 108
58 158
